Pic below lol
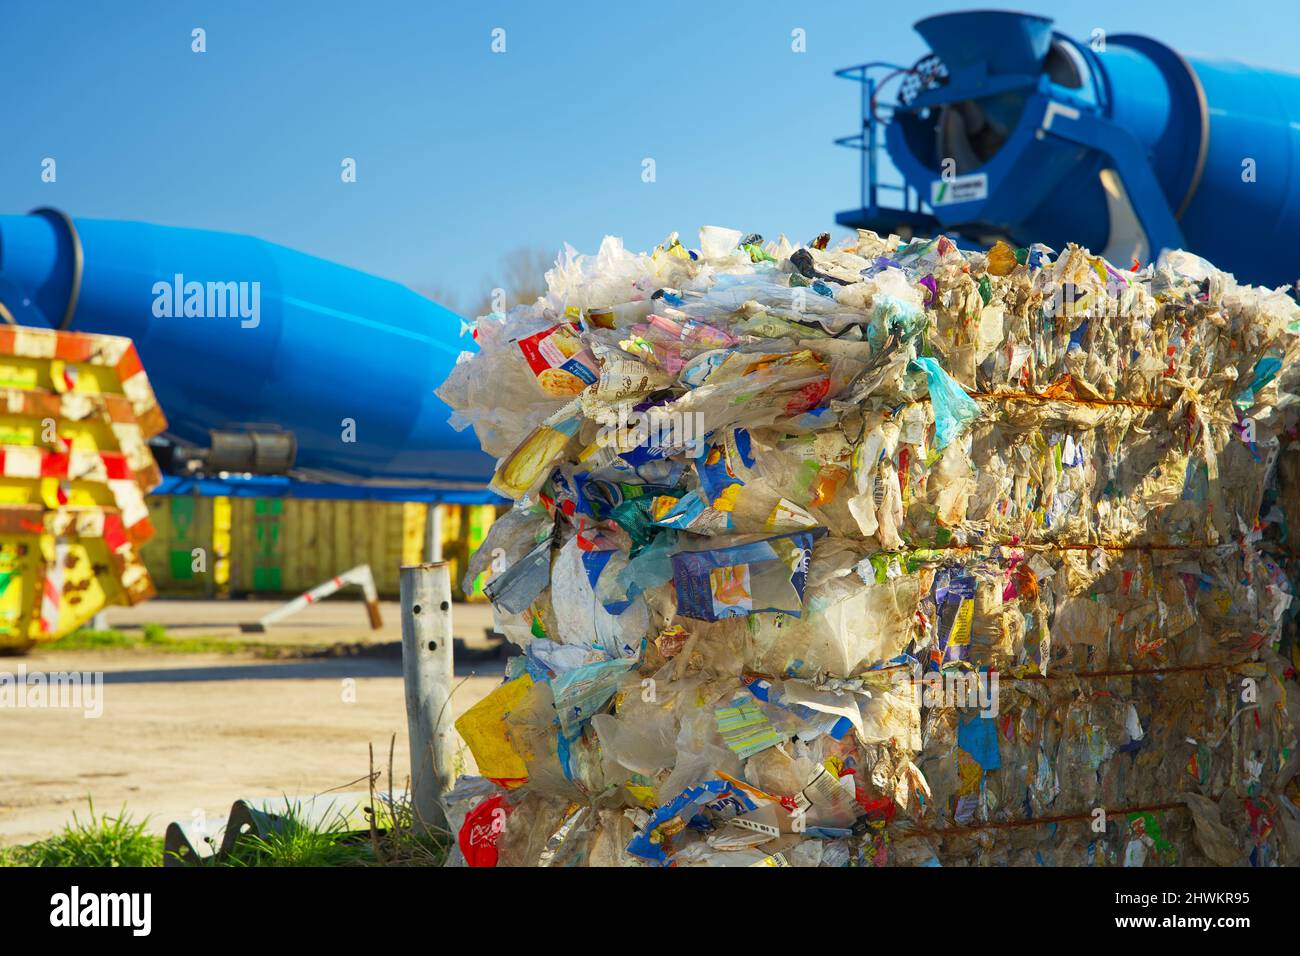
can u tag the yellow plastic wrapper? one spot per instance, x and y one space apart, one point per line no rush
524 469
1002 259
484 730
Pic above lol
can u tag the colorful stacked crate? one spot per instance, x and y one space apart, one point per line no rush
76 414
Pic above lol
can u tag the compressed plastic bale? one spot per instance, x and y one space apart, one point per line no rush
1016 464
849 625
1214 839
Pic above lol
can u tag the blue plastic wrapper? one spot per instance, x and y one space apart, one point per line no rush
765 575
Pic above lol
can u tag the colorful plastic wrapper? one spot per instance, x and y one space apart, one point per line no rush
887 553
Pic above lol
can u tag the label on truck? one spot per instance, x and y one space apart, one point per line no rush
944 192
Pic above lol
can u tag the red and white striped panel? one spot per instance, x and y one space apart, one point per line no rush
52 588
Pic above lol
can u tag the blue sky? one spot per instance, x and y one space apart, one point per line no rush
463 154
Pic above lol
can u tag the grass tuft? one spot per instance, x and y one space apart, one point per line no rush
294 842
154 637
392 839
103 841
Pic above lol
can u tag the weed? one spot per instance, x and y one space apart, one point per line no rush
97 841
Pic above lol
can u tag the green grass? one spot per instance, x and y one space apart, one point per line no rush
154 637
102 841
389 838
108 841
295 843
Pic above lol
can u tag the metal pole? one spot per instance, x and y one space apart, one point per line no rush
427 673
433 525
869 92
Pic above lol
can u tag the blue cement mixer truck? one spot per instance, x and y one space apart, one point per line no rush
1010 130
264 359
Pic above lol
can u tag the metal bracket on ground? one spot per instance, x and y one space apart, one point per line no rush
195 842
360 576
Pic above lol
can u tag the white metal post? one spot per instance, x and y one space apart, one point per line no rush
427 672
433 525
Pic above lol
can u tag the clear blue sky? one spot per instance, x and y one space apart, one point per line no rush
462 153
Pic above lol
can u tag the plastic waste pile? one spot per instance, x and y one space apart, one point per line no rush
884 554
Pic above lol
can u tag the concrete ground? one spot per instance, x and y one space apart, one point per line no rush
187 733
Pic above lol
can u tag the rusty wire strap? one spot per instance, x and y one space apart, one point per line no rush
1040 821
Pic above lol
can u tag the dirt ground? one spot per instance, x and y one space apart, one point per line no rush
180 733
337 619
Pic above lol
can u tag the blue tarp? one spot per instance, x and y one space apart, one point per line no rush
279 486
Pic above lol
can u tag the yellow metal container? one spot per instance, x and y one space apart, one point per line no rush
183 554
280 546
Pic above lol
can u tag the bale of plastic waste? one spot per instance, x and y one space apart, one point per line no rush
886 553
